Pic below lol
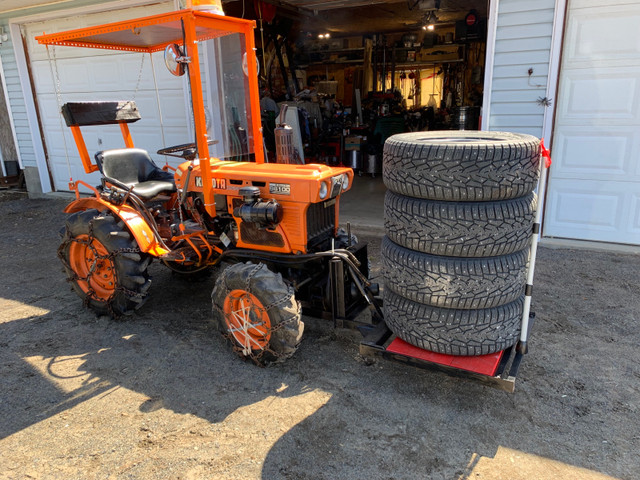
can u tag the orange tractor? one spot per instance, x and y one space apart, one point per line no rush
274 225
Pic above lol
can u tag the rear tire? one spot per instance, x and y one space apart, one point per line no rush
257 312
104 264
451 331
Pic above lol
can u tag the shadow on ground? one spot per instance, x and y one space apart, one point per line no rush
324 414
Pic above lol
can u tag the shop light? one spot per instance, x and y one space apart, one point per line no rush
429 21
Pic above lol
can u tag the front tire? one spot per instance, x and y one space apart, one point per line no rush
257 312
103 263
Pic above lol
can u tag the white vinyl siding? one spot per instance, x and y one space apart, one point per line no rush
522 42
17 106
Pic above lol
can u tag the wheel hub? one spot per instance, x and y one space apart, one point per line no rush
247 321
91 262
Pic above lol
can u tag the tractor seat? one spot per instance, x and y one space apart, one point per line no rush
134 167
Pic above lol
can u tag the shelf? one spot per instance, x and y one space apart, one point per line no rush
337 50
343 62
419 64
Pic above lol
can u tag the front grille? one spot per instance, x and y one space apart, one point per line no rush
321 219
252 234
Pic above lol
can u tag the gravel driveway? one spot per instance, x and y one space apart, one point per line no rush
160 395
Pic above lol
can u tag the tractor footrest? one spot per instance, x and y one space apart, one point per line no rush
181 255
496 370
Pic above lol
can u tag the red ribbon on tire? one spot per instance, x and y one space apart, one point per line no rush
546 154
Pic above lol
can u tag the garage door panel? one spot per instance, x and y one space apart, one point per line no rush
601 96
49 111
596 209
109 136
588 152
174 109
130 71
60 168
105 74
595 34
591 210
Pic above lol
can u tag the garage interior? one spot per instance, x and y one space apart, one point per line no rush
353 72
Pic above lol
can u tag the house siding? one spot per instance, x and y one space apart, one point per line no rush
522 42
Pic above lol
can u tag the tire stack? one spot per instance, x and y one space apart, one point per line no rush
459 212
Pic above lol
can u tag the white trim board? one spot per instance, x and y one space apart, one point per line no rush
553 79
554 69
15 25
32 114
492 29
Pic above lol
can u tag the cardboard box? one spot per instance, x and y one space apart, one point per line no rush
353 142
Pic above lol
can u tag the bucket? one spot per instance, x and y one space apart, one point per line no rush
354 160
466 118
372 164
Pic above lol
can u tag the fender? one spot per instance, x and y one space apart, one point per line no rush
138 227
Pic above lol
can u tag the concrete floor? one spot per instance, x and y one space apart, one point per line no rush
363 204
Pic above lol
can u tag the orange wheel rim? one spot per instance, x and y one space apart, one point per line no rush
90 260
247 320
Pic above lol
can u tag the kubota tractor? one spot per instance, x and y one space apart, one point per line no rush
274 226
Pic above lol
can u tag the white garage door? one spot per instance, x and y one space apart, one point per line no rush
594 186
94 75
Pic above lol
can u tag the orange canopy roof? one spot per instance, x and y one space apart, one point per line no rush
148 34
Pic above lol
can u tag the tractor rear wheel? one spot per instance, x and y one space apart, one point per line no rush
103 263
257 311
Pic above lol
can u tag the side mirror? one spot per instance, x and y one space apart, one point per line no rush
174 59
245 65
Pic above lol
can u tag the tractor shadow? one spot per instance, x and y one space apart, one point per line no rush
171 353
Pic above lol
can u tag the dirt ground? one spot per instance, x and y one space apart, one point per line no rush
161 396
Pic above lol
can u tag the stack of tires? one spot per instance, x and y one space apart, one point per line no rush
459 212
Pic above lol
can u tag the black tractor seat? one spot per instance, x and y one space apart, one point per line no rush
134 167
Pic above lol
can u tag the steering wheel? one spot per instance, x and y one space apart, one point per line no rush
187 149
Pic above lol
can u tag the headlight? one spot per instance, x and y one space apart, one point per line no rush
345 181
324 190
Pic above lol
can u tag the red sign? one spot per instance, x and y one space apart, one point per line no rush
471 19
